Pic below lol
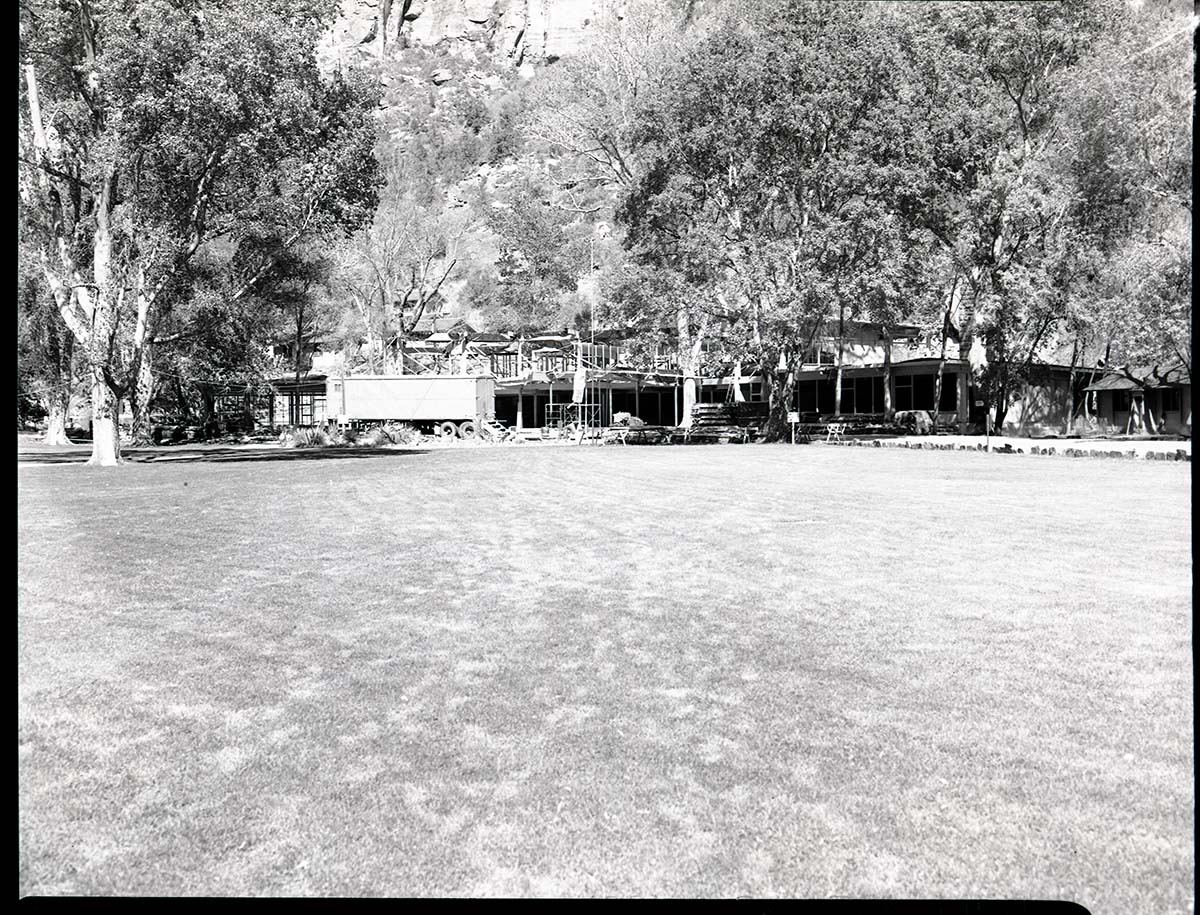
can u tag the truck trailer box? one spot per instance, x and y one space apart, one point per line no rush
411 398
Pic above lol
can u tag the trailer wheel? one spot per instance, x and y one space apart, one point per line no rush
467 429
447 430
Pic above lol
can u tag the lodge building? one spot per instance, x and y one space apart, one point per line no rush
536 374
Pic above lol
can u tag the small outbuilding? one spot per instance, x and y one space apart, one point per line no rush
1145 400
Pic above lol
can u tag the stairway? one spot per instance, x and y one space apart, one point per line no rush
492 430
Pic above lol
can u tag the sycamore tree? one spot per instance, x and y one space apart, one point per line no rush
150 131
211 345
993 76
768 158
583 112
48 369
543 253
395 270
1127 152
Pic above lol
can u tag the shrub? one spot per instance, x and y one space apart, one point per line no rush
303 437
389 434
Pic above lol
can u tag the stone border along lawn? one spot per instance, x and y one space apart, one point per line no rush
1150 450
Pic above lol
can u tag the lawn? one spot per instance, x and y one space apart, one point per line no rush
711 671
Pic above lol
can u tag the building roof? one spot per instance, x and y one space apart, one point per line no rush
1175 377
309 383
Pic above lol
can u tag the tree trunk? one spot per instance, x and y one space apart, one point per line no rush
185 408
837 384
56 423
941 372
299 362
139 402
1148 415
385 13
889 408
1001 409
249 411
780 396
690 347
208 400
106 446
61 383
58 403
1071 389
1026 396
689 401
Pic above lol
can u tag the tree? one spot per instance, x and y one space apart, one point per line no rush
1126 152
993 76
768 191
543 253
47 369
156 129
397 268
221 348
301 289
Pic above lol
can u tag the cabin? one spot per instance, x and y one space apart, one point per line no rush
1144 400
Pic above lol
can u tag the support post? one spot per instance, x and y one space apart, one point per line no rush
962 377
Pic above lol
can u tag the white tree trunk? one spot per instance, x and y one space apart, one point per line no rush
106 446
689 401
56 424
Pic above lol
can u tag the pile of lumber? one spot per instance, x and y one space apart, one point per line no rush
717 422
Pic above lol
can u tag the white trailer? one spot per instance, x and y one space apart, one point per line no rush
450 404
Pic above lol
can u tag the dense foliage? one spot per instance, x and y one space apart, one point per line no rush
725 181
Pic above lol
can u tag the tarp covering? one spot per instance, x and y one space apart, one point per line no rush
581 380
628 378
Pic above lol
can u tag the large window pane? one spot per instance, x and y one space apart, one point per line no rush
848 395
825 396
949 400
863 396
923 386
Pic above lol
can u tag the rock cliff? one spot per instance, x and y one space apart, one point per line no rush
516 32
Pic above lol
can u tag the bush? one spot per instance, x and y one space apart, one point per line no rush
389 434
304 437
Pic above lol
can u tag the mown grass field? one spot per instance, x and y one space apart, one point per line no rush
705 671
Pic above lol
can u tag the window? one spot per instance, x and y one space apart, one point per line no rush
825 396
806 397
848 395
949 400
864 388
904 392
819 355
756 392
1170 400
1120 401
923 386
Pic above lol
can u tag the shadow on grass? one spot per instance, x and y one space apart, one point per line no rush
217 455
